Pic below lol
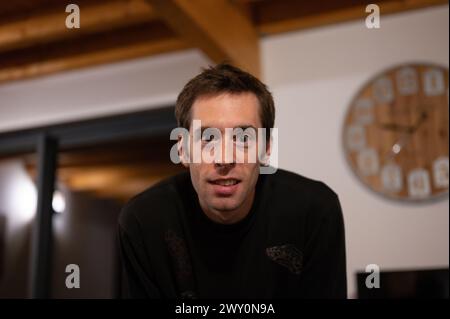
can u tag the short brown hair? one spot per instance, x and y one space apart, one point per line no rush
224 78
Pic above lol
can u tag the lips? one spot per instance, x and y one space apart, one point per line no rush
225 186
225 182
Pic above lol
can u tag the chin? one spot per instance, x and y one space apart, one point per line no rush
224 204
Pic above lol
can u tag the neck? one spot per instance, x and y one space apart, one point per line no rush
229 216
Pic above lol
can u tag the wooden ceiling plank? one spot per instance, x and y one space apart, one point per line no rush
45 67
94 18
268 27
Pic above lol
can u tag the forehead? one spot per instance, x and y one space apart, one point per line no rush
227 110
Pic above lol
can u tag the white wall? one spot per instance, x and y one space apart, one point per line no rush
313 75
107 89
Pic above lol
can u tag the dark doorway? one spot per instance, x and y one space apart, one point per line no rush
100 164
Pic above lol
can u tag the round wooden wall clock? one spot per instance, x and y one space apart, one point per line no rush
396 132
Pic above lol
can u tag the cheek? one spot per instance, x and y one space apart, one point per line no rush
197 175
251 172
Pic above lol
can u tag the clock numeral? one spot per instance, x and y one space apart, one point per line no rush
363 111
368 162
419 183
407 81
356 137
391 178
433 81
440 172
383 91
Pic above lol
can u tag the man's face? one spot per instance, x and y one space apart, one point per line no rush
226 186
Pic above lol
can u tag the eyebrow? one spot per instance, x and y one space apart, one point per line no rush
243 127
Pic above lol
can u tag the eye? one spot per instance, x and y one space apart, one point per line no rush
207 139
243 139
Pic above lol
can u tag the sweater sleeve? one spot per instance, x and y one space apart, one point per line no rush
324 270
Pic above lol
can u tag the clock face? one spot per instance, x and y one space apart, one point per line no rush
395 132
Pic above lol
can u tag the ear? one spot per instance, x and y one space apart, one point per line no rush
269 146
183 152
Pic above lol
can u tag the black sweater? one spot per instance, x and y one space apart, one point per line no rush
290 245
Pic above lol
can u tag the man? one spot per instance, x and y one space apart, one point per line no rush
223 230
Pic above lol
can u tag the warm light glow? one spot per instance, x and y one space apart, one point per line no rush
25 198
21 193
58 202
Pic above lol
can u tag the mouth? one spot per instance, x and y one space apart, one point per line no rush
225 182
225 186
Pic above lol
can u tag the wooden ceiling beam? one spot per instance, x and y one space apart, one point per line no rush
126 189
216 27
41 44
142 40
39 68
272 17
94 18
120 181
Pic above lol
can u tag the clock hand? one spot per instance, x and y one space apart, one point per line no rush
406 137
405 128
395 127
423 117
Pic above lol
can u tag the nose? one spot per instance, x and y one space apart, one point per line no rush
226 160
223 168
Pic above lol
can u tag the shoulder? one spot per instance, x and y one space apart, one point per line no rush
156 204
300 185
300 194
